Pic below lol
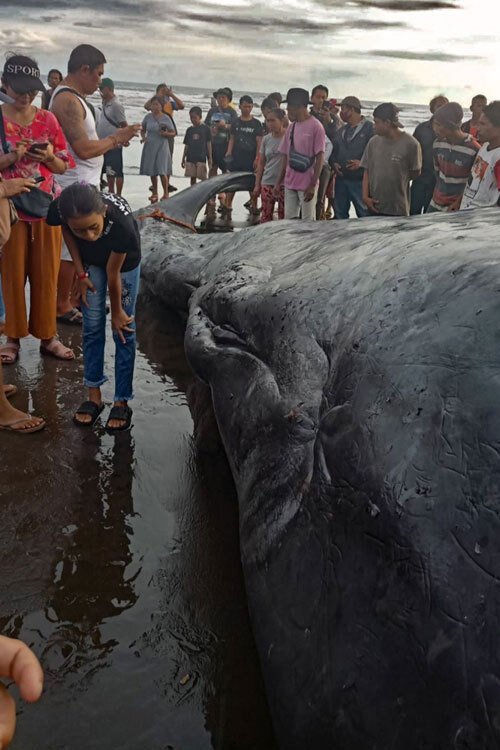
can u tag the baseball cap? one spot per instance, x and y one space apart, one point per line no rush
450 115
22 74
108 83
297 97
388 111
351 101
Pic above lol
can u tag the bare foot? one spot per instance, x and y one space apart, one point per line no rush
9 352
164 196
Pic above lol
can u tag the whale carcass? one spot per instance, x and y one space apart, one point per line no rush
355 376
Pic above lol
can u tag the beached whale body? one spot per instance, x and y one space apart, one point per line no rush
355 374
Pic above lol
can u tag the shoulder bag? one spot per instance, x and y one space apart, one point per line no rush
35 203
298 162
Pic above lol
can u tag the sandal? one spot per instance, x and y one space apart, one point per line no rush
123 413
9 359
53 353
9 390
72 318
154 198
26 430
91 409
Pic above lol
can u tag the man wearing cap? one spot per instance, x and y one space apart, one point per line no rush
348 149
423 187
454 154
392 158
112 117
303 149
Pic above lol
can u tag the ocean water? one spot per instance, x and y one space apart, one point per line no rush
134 95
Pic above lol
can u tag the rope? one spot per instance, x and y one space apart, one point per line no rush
162 216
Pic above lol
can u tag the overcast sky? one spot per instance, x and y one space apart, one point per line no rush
377 49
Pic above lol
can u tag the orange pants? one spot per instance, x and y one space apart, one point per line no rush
33 252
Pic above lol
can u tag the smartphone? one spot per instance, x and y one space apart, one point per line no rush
37 147
38 178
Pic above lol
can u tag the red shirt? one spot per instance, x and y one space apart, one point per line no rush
44 128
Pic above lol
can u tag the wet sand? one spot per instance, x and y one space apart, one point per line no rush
120 564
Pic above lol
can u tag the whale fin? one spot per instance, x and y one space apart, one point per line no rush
186 205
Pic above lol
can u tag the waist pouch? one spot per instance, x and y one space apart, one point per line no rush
298 162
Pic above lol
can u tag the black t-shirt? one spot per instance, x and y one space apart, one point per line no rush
245 134
120 234
196 139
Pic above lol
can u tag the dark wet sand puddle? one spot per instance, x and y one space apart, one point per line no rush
119 564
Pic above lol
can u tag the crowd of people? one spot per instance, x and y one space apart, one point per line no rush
77 244
313 157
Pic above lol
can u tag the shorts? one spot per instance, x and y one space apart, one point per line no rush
113 163
218 155
198 170
242 163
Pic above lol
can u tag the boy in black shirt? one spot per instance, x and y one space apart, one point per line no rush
197 148
244 147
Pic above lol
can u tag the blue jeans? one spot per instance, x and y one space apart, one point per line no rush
347 191
94 333
2 306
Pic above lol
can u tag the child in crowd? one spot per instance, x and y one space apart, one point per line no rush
243 148
269 166
103 239
197 148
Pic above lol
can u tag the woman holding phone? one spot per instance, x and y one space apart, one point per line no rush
156 160
32 146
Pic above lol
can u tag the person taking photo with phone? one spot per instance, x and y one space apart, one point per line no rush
33 146
76 115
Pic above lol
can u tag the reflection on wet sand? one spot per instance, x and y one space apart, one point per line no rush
120 565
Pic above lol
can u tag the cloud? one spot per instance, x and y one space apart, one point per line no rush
407 5
409 55
278 23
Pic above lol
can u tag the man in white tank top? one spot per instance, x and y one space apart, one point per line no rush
85 70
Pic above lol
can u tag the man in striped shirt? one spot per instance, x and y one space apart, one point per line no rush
454 153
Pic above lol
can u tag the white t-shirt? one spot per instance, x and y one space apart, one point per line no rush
484 182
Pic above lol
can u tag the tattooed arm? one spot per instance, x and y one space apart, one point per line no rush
71 115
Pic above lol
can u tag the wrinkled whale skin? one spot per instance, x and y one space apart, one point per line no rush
355 377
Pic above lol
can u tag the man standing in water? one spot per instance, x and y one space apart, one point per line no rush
391 159
112 117
85 70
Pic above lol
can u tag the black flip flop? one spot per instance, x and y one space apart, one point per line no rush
71 318
120 412
90 408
